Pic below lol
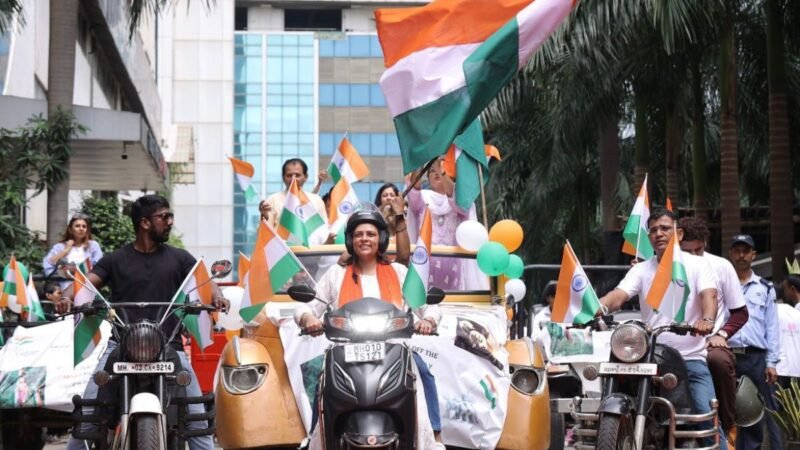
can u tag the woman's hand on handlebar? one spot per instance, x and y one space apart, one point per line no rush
311 325
425 326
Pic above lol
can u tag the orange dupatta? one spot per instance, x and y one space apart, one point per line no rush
388 282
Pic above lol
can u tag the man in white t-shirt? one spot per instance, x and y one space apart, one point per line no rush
701 308
731 316
789 323
543 316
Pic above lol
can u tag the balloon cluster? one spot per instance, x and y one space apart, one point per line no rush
494 249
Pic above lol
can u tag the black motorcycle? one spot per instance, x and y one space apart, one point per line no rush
645 401
141 401
367 387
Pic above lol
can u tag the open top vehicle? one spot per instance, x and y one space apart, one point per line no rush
492 391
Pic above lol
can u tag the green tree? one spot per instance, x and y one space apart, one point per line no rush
110 227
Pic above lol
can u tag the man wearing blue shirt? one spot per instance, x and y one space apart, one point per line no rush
757 345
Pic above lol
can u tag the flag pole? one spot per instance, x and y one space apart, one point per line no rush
483 197
418 176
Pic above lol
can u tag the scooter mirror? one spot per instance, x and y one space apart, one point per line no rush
301 293
435 296
221 268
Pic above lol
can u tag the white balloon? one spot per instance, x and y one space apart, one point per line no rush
231 320
516 289
471 234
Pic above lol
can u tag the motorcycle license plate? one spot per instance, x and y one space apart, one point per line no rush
609 368
374 351
154 367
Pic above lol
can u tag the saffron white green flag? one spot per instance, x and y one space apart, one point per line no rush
415 287
196 288
272 264
298 218
447 60
81 291
15 290
670 290
347 164
87 335
576 300
34 311
244 172
637 243
344 202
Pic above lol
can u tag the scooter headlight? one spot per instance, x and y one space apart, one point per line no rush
369 323
525 381
629 343
244 379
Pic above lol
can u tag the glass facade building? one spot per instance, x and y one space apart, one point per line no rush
278 96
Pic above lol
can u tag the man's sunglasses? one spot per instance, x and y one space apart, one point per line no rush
165 216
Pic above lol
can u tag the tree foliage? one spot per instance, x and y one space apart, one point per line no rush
111 228
32 158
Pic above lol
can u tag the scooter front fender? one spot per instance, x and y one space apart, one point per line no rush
267 416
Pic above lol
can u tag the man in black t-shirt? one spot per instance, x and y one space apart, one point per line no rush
147 270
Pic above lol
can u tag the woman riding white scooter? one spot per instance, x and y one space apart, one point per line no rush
367 273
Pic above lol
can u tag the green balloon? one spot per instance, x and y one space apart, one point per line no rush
492 258
515 267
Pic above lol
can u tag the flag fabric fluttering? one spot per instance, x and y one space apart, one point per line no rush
299 218
87 335
243 268
34 312
576 300
81 291
415 287
670 290
347 164
637 243
447 60
272 264
344 202
244 175
196 288
86 265
15 290
464 161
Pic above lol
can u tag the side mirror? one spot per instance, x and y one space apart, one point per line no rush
302 293
221 268
435 296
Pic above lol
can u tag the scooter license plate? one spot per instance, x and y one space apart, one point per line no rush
154 367
609 368
374 351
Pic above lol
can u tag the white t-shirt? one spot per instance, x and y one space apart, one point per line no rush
539 318
700 275
330 283
789 324
729 291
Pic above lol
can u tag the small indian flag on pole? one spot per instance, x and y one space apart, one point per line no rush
34 312
87 335
244 175
243 267
86 265
15 291
415 287
576 301
347 164
637 243
343 203
669 292
272 264
81 290
196 288
299 219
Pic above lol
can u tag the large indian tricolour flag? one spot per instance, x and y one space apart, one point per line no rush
299 219
272 264
576 300
447 60
670 290
636 242
415 287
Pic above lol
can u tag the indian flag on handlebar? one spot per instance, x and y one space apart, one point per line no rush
197 289
669 292
576 301
19 296
87 335
299 219
415 287
272 264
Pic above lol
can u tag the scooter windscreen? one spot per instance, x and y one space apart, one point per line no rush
368 319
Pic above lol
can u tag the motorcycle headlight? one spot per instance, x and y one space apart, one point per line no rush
525 380
369 323
143 342
629 343
244 379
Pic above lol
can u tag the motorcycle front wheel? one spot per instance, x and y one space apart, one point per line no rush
147 437
615 433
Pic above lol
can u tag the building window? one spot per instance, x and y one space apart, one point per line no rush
352 46
240 18
367 144
351 94
312 19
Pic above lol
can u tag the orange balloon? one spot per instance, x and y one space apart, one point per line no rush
507 232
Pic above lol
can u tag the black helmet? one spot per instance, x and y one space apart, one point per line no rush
367 216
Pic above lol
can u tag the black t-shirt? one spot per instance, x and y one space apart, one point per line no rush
144 277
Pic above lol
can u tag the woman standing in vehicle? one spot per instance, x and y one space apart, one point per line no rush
367 273
76 247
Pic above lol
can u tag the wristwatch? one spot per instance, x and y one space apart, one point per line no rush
723 334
